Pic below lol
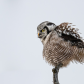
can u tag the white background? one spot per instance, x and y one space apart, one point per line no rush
21 60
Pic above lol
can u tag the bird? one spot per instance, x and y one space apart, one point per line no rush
61 43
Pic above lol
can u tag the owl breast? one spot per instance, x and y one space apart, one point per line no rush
56 50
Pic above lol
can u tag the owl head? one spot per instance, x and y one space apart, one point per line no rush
44 29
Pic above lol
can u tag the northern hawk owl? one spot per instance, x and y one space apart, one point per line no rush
61 43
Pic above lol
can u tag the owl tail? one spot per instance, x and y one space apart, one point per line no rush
79 55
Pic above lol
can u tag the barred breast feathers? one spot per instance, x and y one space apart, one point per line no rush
57 50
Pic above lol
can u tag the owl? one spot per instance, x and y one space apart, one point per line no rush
61 43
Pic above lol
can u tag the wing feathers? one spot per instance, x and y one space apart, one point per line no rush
68 33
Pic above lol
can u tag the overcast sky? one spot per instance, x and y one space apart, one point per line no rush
21 60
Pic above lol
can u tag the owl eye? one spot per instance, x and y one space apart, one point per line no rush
43 30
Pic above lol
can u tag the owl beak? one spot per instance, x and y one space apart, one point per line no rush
38 34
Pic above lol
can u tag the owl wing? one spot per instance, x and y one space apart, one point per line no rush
68 33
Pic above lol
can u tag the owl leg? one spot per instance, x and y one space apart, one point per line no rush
55 74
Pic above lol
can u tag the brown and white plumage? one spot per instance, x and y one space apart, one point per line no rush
61 44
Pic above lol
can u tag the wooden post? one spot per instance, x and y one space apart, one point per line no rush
55 75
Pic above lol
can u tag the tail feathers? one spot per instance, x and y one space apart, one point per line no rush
79 57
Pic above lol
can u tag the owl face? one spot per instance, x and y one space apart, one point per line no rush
42 33
44 29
